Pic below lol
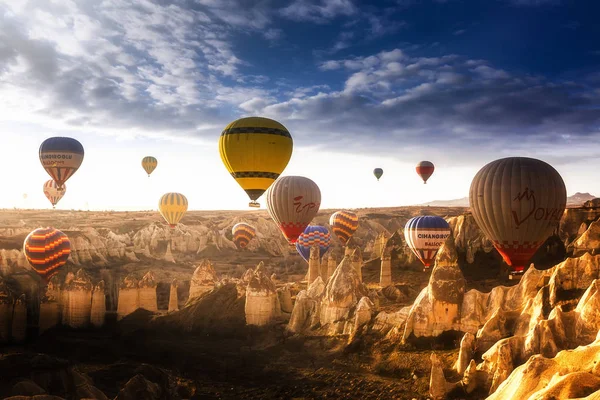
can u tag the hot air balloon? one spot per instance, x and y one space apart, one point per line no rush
172 207
425 170
517 202
53 193
343 224
292 202
313 234
377 172
242 234
149 164
425 235
61 157
255 151
47 250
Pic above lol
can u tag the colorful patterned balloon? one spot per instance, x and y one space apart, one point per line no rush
517 202
53 193
61 157
425 235
47 250
425 170
292 202
149 164
344 224
313 234
172 207
242 234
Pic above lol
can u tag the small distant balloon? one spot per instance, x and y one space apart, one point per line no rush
61 157
425 170
313 235
53 192
47 250
149 164
378 172
172 207
242 234
425 235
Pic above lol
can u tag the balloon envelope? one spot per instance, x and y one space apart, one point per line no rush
425 170
292 202
47 250
517 202
425 235
255 151
53 192
313 235
149 164
242 234
378 172
61 157
343 224
172 207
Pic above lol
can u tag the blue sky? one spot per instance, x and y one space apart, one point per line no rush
358 84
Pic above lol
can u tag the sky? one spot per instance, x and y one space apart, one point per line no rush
359 84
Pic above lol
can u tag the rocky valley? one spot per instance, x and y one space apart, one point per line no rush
145 311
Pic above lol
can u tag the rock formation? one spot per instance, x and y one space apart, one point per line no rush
385 276
314 264
331 265
77 300
147 292
262 301
203 280
128 297
98 311
173 298
285 299
19 320
50 307
306 312
6 308
357 262
439 306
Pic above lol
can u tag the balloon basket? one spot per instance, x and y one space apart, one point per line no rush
254 204
515 276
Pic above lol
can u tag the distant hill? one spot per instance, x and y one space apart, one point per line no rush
576 200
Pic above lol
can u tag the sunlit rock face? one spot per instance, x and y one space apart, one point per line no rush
468 236
98 312
536 323
314 264
331 265
203 280
77 297
306 311
342 294
437 308
285 299
262 302
147 292
128 297
385 276
357 261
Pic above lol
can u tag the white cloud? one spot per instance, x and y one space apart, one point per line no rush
318 11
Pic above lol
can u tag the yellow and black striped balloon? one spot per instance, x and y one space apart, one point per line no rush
242 234
149 164
255 151
343 224
47 250
172 207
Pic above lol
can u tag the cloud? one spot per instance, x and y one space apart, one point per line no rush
392 102
318 11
